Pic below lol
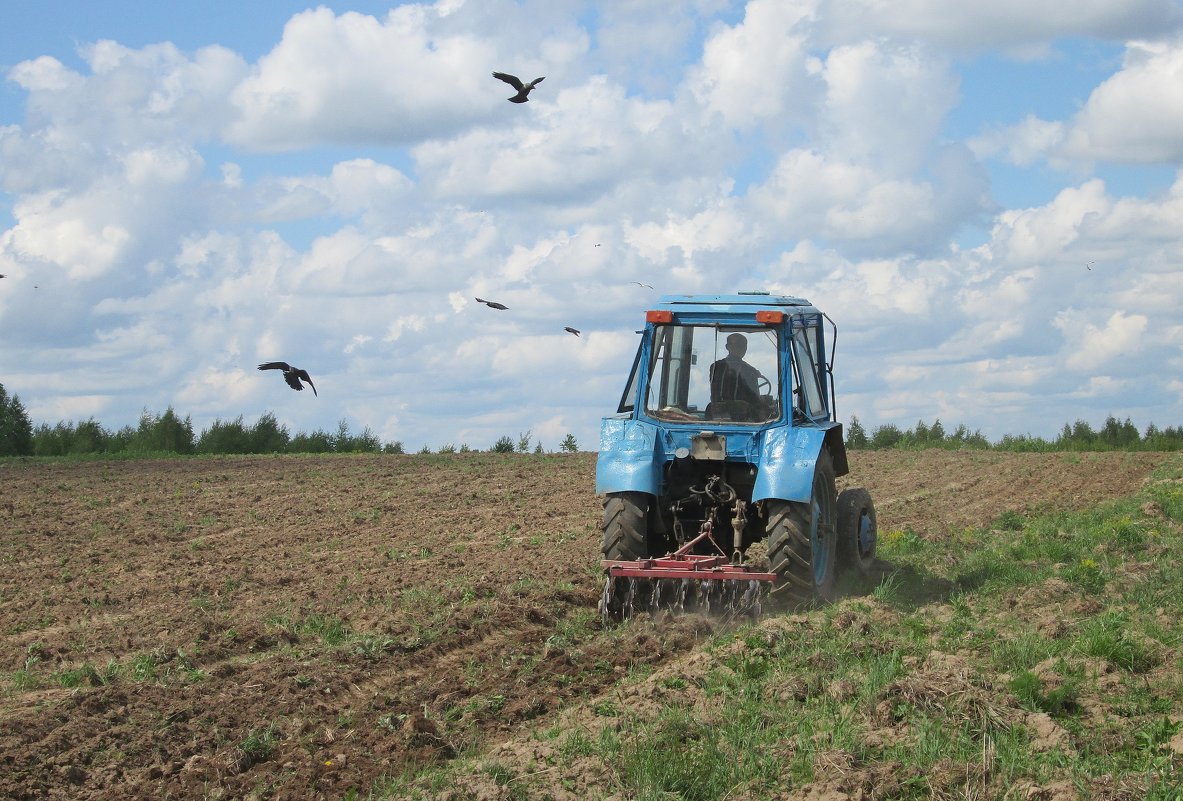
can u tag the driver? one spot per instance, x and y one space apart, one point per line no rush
733 379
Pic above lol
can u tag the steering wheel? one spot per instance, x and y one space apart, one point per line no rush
763 386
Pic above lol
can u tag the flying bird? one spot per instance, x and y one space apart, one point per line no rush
523 88
290 374
571 330
638 283
492 304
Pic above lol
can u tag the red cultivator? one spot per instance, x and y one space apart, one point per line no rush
682 581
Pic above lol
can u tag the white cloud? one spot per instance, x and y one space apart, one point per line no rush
1134 116
1137 114
1020 144
1090 347
353 78
759 69
1029 236
580 145
811 195
1025 26
884 104
75 233
44 74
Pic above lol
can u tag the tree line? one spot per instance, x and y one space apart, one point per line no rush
170 433
1113 435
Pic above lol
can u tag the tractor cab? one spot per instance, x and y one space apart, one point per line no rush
696 365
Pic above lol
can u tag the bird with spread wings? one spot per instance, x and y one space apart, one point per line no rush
292 375
524 89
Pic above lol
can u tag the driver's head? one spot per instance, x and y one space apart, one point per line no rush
737 345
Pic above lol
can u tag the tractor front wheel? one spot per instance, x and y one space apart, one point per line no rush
803 538
857 531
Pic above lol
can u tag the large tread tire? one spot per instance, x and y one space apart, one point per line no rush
625 538
858 531
805 567
626 530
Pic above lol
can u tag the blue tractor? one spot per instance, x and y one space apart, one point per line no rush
726 436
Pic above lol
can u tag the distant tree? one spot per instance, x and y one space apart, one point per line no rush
268 435
856 435
122 439
316 442
49 441
1083 435
464 448
503 445
961 438
977 439
163 433
449 448
885 436
539 449
221 437
66 438
393 447
365 442
16 431
342 441
424 451
1118 435
90 437
569 445
1064 440
936 434
524 442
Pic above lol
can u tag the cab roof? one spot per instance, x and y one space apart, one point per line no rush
719 303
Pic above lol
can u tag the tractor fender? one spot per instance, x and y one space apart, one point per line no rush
788 456
628 461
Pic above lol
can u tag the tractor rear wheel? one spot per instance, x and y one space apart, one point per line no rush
626 525
625 538
802 538
857 531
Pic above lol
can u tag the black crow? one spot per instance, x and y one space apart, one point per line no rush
290 374
516 83
492 304
571 330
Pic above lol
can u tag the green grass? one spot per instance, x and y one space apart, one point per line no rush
939 682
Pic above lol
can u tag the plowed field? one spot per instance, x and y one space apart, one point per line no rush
293 627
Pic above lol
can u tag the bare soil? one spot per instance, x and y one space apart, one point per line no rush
294 627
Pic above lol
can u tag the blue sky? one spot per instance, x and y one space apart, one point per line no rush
987 199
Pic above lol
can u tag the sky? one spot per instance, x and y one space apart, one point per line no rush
986 199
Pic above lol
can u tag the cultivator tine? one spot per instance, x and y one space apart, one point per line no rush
655 585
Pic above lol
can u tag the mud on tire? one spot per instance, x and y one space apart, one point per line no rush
801 549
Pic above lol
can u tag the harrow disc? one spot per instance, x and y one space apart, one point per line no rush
725 599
